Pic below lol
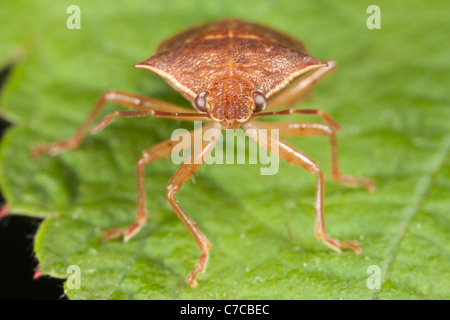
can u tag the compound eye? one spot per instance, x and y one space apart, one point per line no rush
260 101
200 101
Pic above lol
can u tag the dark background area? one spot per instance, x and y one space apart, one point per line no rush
17 261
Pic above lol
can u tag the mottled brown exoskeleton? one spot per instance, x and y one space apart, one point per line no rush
233 73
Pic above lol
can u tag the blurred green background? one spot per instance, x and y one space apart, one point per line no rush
389 94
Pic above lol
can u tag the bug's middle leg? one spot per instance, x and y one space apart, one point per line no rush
305 129
160 150
292 155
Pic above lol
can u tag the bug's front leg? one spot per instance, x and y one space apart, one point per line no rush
186 170
292 155
146 106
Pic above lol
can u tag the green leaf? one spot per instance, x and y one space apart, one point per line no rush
389 93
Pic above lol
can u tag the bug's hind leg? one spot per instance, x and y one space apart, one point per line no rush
306 129
301 87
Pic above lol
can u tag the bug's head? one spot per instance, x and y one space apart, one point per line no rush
230 101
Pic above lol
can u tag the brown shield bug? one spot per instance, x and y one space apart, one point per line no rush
233 73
